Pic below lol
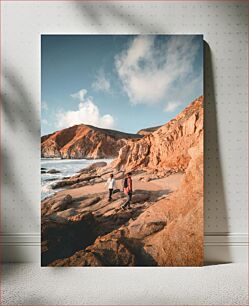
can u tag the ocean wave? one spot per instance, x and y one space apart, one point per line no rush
67 167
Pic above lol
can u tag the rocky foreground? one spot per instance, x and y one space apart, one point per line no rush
165 225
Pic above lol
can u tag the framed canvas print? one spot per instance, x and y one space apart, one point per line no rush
122 150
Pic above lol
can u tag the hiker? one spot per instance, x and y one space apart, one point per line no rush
127 190
111 183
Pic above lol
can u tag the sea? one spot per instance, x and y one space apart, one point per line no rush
67 168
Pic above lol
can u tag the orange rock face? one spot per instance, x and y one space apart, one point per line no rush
84 141
148 130
168 146
180 241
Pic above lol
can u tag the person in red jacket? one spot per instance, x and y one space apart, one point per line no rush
127 190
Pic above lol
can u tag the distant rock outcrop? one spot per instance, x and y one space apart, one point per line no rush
84 141
167 147
147 131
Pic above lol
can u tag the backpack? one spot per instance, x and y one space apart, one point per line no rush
125 182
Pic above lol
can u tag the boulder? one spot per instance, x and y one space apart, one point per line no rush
73 180
61 205
63 183
97 165
140 231
78 185
61 240
53 171
108 250
63 215
98 180
89 202
86 177
93 167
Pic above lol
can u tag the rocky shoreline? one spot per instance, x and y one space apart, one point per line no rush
70 223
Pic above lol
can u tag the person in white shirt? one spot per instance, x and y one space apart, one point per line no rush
111 184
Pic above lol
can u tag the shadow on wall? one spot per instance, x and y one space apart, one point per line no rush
215 208
122 16
19 108
19 115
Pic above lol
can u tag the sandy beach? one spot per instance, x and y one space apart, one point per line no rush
170 183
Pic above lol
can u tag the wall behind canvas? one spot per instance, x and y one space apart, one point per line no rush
224 25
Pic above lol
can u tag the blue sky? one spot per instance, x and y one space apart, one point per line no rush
122 82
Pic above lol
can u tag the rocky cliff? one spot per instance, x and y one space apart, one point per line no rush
167 147
84 141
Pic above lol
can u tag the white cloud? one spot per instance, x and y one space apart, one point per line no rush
87 113
148 70
44 105
80 95
101 82
171 106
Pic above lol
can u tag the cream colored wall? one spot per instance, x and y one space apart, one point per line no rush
224 25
